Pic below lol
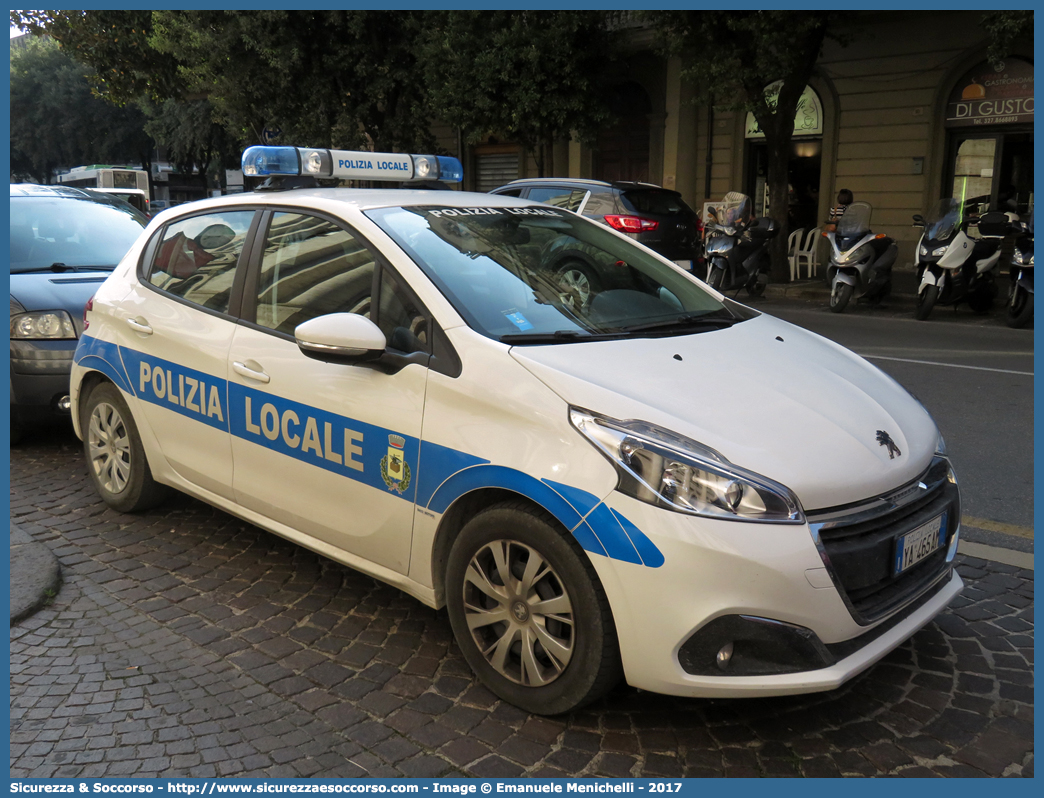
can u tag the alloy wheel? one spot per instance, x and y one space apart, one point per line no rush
109 446
519 613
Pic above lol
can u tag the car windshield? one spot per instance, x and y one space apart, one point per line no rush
943 219
540 275
58 233
855 220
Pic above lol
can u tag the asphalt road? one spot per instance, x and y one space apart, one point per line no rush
975 376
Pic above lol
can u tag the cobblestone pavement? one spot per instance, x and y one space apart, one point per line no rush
185 642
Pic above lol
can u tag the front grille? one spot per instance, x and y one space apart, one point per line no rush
859 546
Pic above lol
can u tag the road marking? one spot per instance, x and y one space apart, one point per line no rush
948 365
997 526
1020 559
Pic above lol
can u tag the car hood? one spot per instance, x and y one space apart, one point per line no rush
67 291
770 397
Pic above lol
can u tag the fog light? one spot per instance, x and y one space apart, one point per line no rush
64 404
725 656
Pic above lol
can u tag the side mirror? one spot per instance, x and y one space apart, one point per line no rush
918 220
341 338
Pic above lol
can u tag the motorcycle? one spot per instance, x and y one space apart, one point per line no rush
1020 292
737 247
859 260
953 267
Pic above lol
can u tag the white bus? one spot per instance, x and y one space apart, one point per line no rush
130 184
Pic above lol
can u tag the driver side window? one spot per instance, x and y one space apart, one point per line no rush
196 258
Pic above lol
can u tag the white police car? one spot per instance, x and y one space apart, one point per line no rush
650 480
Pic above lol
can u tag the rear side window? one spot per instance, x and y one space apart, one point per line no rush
311 267
599 204
660 202
570 199
196 258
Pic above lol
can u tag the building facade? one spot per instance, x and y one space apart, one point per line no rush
908 112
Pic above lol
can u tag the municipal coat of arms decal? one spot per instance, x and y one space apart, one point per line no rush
394 469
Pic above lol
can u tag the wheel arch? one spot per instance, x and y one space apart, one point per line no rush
596 528
455 519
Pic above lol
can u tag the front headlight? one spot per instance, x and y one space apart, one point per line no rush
938 252
50 325
856 255
667 470
923 250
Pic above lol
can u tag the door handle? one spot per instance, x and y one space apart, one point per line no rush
251 374
139 325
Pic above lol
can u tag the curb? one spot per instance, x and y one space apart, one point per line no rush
36 575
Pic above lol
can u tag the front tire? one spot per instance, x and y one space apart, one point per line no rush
529 613
1020 307
115 458
926 300
840 295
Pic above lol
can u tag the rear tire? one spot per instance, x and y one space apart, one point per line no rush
1020 308
926 300
115 457
529 612
840 294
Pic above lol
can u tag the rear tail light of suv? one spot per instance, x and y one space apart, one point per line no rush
631 224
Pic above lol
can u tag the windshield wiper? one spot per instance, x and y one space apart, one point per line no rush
556 337
685 322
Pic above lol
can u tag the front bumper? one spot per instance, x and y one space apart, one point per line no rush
769 582
40 378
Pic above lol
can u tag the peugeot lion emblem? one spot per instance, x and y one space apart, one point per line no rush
885 439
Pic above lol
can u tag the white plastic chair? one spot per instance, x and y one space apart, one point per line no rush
793 244
807 253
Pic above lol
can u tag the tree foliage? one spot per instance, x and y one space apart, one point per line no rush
192 138
529 76
1004 28
325 78
114 44
57 122
731 57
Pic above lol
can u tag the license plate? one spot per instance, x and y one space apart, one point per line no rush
914 546
685 264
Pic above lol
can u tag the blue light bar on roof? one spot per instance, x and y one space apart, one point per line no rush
348 165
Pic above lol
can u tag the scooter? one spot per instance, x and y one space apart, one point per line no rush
737 247
859 260
952 266
1020 292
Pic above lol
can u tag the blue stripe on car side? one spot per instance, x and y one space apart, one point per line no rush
651 556
494 476
617 544
437 464
444 474
105 357
582 501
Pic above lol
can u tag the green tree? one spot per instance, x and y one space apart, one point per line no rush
194 141
57 122
114 44
731 57
530 76
1003 29
325 78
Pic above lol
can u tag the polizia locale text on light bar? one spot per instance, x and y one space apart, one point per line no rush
347 165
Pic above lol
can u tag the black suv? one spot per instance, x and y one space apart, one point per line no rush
654 216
